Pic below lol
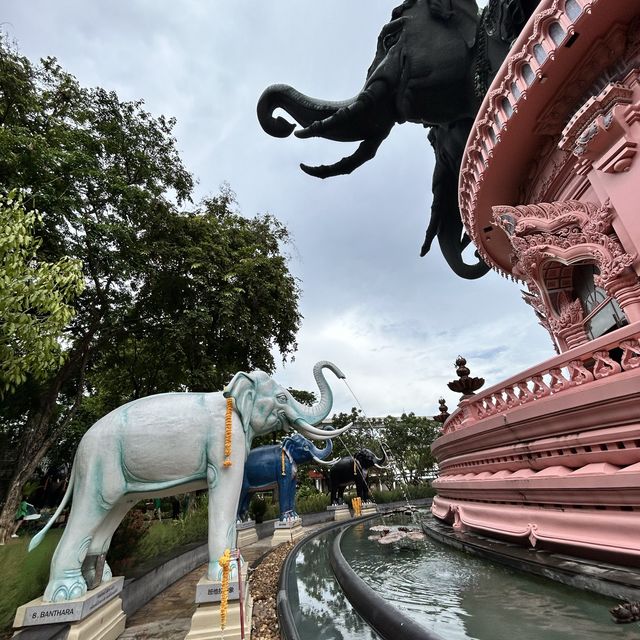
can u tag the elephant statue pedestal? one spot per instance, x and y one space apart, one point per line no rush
246 534
97 615
340 512
287 531
206 621
369 509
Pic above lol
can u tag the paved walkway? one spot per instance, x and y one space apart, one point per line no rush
168 615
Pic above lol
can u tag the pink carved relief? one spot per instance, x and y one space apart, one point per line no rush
596 92
567 232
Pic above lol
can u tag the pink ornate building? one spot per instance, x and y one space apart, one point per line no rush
550 194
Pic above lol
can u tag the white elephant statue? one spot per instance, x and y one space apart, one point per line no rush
166 444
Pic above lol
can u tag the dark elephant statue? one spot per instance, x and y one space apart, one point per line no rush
434 62
266 468
349 470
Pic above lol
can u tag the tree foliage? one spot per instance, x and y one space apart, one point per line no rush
173 299
34 298
406 440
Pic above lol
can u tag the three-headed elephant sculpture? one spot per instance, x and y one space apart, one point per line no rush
433 64
349 470
276 467
166 444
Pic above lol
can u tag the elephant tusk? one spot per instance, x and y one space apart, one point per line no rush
381 466
365 152
326 463
318 434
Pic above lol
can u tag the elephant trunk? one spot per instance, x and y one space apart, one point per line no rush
319 411
452 247
322 454
381 462
303 109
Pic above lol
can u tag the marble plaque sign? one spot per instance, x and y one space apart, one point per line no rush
37 612
210 591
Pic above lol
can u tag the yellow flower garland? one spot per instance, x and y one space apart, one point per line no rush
224 561
227 433
284 473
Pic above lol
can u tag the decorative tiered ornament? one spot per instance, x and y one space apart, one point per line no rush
444 412
465 385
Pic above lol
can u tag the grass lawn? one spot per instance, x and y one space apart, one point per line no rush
23 576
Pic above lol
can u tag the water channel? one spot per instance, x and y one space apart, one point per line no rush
457 596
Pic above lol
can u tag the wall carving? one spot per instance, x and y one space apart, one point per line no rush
569 232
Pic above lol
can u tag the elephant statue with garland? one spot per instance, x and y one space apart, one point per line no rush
167 444
349 470
276 466
433 64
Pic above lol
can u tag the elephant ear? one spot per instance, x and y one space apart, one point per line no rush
463 13
466 17
242 389
287 444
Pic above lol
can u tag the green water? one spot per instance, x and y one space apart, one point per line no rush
455 595
321 611
461 597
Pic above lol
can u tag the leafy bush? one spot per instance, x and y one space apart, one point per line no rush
162 537
413 492
125 539
257 508
138 539
312 503
272 512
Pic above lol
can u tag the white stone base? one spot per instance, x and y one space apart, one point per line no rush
205 622
246 534
290 531
340 512
107 623
369 509
38 612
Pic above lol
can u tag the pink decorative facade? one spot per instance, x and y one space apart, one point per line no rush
550 194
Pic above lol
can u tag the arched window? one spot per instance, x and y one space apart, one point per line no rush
602 313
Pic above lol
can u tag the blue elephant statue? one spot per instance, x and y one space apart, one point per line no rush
267 468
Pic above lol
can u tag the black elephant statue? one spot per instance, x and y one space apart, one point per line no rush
349 470
276 467
434 62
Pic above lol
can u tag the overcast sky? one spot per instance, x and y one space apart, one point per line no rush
394 322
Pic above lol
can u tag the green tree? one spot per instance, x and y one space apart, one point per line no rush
34 298
406 439
173 300
409 439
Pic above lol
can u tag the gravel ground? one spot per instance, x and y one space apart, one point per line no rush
264 590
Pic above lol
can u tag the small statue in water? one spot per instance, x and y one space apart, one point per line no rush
626 612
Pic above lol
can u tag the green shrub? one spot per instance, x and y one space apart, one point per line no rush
312 503
257 508
412 492
126 537
163 537
272 512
